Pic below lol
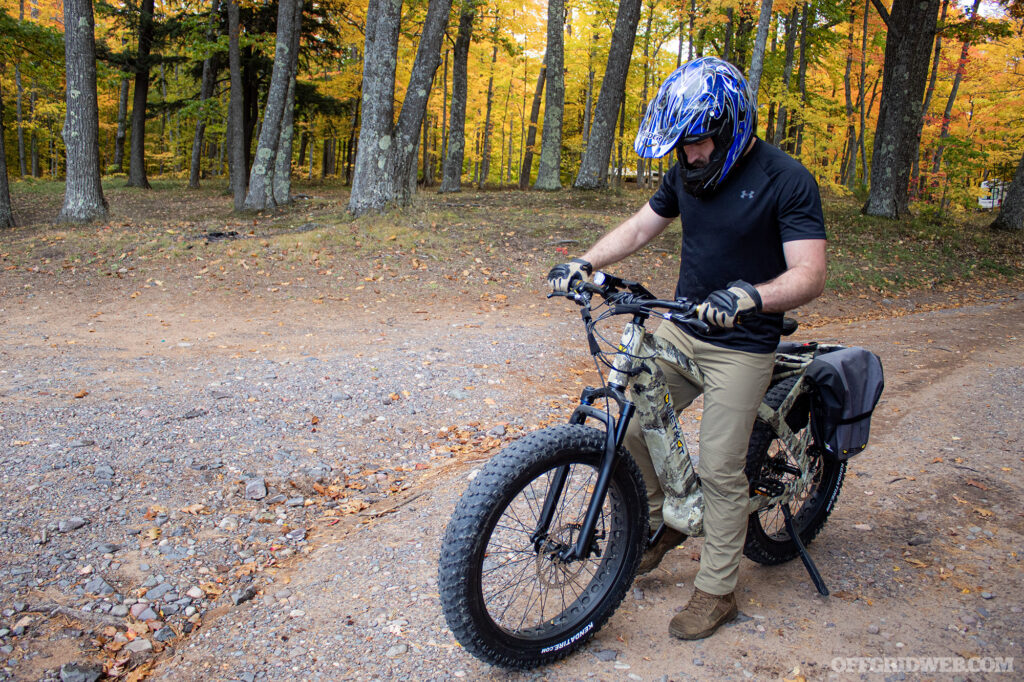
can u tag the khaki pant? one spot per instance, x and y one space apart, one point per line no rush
734 383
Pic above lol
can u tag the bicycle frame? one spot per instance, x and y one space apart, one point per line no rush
634 368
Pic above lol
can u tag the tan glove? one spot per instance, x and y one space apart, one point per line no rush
722 307
563 277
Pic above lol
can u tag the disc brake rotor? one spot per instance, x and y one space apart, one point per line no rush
552 571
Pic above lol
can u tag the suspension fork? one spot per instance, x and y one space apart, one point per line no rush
615 432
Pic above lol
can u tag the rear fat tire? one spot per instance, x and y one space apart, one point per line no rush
505 484
772 544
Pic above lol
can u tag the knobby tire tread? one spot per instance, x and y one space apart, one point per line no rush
758 546
497 483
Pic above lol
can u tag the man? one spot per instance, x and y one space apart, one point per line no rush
753 247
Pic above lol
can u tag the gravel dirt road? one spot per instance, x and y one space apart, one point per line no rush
202 486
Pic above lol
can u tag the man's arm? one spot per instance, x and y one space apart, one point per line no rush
802 282
627 238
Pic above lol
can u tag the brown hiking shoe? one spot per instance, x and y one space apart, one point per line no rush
656 552
703 615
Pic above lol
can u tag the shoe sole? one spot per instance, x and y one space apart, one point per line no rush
703 633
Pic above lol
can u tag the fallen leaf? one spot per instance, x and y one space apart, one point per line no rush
916 562
81 394
983 512
979 486
151 533
195 509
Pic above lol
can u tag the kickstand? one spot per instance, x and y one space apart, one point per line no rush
804 556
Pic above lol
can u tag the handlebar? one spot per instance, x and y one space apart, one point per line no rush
628 297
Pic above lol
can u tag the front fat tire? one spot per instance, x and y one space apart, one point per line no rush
503 483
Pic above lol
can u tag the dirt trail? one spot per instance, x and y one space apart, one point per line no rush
943 469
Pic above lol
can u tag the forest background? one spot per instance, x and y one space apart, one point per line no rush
497 95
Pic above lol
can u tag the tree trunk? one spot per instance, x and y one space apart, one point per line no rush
205 92
350 146
385 148
485 162
897 135
34 143
848 168
549 171
236 114
961 67
588 106
644 165
137 159
122 125
915 172
451 174
1011 214
787 76
764 22
531 136
727 43
444 111
428 161
261 178
83 194
593 173
805 21
22 166
283 163
6 212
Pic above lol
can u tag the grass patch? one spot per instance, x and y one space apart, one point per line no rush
485 236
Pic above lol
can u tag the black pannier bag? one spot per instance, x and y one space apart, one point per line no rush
847 384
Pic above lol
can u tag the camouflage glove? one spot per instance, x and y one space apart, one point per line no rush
562 277
722 307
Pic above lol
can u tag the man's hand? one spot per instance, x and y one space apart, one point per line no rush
562 277
722 307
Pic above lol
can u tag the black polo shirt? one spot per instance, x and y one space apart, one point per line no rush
768 199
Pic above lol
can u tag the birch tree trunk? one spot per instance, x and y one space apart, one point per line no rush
386 148
236 146
205 92
531 136
897 135
451 174
1011 214
137 159
261 178
548 173
593 173
83 193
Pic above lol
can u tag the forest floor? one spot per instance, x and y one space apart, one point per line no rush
232 456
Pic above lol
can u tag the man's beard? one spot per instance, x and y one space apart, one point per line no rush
699 163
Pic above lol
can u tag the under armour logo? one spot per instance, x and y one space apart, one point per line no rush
747 194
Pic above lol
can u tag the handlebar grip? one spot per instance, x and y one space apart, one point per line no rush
700 325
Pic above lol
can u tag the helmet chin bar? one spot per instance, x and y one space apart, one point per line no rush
702 182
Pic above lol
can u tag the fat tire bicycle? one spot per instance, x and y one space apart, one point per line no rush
545 542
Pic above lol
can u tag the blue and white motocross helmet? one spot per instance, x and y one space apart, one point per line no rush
707 97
